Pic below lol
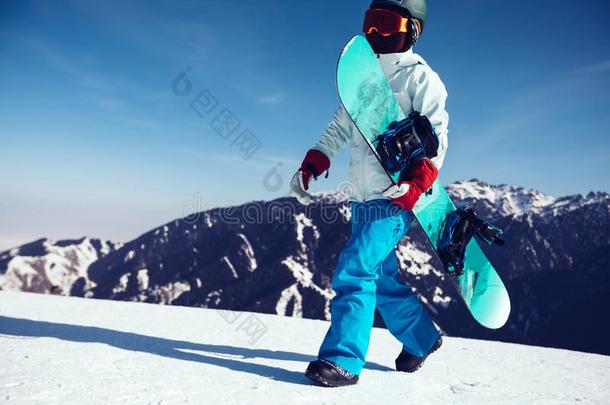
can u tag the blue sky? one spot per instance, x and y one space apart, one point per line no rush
95 142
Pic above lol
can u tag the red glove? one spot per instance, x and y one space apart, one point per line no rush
314 164
405 194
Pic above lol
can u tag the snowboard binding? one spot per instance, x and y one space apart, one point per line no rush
406 140
460 227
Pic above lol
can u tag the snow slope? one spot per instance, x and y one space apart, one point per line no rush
71 350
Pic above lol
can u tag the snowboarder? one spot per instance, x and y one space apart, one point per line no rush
366 276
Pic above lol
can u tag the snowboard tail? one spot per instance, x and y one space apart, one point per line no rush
370 102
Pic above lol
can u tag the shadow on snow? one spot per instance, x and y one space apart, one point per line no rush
167 347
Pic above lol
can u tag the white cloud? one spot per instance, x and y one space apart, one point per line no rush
173 38
109 103
275 159
234 158
57 61
272 98
598 67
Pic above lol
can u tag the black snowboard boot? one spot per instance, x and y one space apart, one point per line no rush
329 374
408 363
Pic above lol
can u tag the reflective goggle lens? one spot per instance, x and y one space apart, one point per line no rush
384 22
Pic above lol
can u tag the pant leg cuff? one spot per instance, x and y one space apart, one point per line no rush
349 364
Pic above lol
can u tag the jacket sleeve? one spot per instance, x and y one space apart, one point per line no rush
336 134
429 97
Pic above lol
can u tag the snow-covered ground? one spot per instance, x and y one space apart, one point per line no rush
72 350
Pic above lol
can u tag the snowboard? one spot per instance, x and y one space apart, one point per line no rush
370 102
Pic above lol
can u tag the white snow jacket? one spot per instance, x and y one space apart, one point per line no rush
417 88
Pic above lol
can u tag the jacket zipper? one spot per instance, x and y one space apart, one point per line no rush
364 192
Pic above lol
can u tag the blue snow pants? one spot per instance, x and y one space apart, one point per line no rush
367 277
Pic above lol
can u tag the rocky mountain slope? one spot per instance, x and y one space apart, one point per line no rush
278 257
48 266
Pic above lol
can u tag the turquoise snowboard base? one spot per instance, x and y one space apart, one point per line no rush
370 102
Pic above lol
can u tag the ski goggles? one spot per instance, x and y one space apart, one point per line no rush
384 22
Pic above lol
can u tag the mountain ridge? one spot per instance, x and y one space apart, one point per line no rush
283 264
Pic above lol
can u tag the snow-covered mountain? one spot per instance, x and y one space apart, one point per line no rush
278 257
49 266
512 201
67 350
